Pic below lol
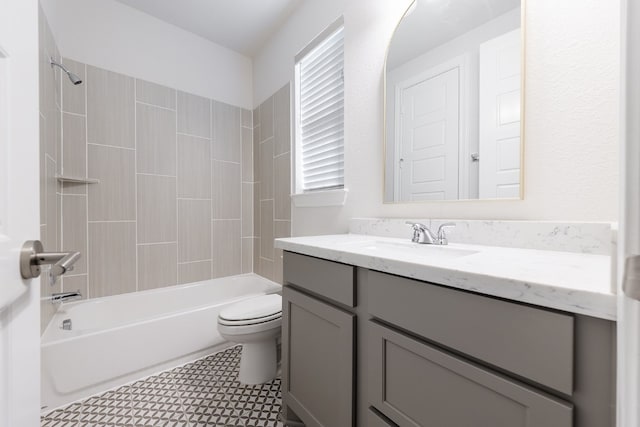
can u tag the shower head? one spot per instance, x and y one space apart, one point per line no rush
72 77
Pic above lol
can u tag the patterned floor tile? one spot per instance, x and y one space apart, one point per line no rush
202 393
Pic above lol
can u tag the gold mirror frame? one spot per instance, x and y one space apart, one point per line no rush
523 52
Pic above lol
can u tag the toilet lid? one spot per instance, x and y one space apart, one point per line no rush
262 307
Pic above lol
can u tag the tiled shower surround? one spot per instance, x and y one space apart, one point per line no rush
50 158
180 196
167 208
272 188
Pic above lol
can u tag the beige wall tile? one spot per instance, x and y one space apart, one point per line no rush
194 115
51 217
247 119
155 94
247 155
266 170
194 167
266 268
256 209
282 121
74 145
194 229
247 254
266 119
282 186
155 140
157 266
256 255
74 188
227 125
112 258
194 272
74 229
156 209
76 283
266 229
256 154
281 229
256 117
73 96
113 199
226 190
247 209
226 248
110 108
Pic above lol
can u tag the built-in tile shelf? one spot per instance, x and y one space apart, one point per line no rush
77 180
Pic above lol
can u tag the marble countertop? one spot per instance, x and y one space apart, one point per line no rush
572 282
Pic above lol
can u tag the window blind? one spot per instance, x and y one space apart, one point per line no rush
321 114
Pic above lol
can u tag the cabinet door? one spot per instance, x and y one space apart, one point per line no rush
317 360
416 384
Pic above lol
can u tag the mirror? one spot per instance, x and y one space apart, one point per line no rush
453 115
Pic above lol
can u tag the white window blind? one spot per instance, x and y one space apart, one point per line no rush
320 114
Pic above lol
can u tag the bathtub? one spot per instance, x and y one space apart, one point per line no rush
119 339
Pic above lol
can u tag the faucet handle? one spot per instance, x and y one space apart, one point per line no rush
442 237
416 225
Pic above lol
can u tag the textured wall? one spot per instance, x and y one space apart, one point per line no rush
168 207
272 188
571 111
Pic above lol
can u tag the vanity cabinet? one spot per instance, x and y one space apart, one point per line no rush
366 348
318 344
417 384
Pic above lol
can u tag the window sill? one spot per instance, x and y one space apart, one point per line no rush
320 198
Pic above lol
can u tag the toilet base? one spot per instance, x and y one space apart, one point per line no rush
259 362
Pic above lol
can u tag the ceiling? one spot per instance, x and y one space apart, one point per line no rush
240 25
435 22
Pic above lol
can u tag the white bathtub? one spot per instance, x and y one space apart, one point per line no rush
118 339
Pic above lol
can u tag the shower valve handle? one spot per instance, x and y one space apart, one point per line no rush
32 256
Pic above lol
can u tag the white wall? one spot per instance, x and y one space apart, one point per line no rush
571 111
111 35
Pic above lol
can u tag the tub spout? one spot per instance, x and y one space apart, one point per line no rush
65 296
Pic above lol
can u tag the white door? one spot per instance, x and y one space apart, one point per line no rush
429 138
628 393
499 117
19 213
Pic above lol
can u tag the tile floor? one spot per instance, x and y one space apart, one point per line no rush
203 393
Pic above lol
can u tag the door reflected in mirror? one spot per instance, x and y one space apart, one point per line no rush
453 115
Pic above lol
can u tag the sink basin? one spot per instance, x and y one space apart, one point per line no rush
389 248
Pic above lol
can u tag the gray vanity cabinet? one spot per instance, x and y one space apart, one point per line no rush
422 354
317 360
416 384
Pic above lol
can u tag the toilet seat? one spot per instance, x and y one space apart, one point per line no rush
253 311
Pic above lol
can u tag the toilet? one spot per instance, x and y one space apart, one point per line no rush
255 323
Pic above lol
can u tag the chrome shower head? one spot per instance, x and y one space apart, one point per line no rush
72 77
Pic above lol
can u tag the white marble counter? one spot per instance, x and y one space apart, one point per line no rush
572 282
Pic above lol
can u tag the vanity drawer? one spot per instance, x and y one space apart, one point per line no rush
326 278
533 343
415 384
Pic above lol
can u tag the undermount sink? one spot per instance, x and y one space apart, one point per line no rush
390 248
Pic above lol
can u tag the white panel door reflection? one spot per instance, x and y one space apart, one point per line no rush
429 139
499 139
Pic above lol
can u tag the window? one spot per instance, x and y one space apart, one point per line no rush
319 106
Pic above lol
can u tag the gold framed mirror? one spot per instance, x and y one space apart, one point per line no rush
454 102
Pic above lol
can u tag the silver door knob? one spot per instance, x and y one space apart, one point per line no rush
32 256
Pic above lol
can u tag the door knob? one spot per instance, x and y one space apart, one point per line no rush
32 256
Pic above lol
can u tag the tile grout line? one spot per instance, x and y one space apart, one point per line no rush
135 178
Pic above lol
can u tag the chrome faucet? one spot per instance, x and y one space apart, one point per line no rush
61 297
423 235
